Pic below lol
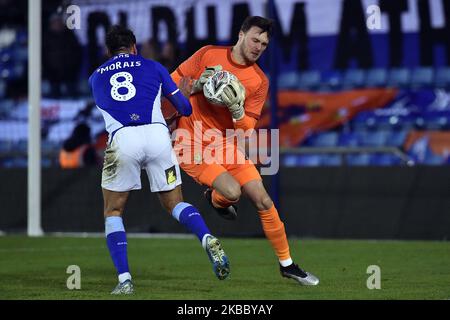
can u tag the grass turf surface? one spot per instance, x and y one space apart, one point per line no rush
35 268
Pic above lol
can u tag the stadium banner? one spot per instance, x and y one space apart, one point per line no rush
438 142
313 34
301 114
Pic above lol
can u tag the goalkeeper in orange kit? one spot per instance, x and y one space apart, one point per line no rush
243 100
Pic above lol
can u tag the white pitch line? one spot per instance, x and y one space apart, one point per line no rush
129 235
102 235
34 249
93 235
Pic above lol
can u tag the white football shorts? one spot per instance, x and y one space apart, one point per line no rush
135 148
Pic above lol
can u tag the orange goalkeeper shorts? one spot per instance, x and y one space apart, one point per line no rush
205 169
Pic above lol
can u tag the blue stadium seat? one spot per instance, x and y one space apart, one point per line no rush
376 78
290 160
22 36
5 146
325 139
405 122
433 159
21 54
19 68
442 79
347 139
436 121
331 160
330 80
396 138
2 88
15 163
371 122
5 57
6 72
422 77
308 160
420 123
392 122
21 145
353 78
288 80
301 160
399 78
6 107
46 162
361 120
384 159
49 146
375 138
309 80
362 159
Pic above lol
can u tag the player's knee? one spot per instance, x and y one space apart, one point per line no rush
232 192
264 202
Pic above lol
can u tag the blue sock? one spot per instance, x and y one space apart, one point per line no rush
116 239
190 217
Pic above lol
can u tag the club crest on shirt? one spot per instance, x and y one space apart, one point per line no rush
171 175
134 117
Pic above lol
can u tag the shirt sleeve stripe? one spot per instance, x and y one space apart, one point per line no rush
172 93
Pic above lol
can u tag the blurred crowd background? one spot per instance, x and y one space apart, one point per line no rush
387 104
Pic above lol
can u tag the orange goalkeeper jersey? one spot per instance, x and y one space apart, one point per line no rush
213 117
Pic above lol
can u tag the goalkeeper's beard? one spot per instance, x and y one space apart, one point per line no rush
249 58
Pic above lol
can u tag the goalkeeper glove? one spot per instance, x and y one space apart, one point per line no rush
233 97
209 71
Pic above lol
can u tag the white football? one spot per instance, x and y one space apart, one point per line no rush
213 87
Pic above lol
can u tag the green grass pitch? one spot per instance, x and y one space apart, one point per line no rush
35 268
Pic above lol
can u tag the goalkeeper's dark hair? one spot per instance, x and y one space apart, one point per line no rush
256 21
119 38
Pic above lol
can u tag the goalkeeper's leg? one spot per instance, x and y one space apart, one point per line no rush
275 232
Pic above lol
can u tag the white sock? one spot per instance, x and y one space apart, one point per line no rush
124 277
204 240
286 263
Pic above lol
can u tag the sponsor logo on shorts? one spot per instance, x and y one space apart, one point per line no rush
171 175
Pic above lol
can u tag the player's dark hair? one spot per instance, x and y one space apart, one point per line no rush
256 21
119 38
